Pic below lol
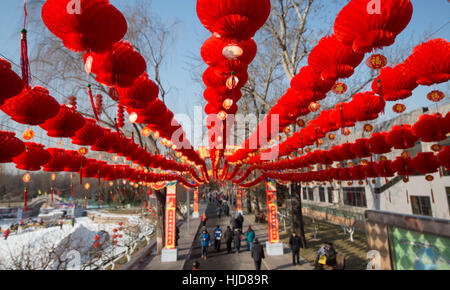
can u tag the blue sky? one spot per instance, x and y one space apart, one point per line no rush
429 15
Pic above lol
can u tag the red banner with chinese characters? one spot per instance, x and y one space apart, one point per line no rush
171 210
196 201
272 212
239 200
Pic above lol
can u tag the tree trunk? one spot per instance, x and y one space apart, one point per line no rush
160 220
298 217
249 202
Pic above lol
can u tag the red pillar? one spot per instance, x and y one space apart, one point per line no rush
25 199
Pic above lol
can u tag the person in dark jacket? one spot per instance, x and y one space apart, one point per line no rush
331 254
205 240
217 238
296 244
237 240
204 219
240 219
228 238
258 254
177 235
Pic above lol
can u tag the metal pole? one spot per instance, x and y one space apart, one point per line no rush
292 207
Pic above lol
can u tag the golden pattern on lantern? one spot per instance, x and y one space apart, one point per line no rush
383 158
368 128
146 132
436 148
364 162
436 96
361 182
399 108
376 61
349 183
429 178
314 107
156 135
339 88
28 134
307 150
287 130
83 151
320 142
301 123
26 178
232 82
346 132
339 182
332 136
405 155
227 104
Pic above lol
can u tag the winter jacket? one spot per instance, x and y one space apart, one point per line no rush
228 236
237 239
250 236
295 243
218 234
258 252
331 256
206 240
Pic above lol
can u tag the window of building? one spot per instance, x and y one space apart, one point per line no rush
355 196
311 194
421 205
322 194
330 195
305 194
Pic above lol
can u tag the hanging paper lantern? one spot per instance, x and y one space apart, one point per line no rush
311 85
426 163
394 84
331 136
58 161
216 52
436 148
10 146
222 115
432 128
376 61
429 178
339 88
361 148
430 62
146 132
403 166
367 106
26 178
399 108
436 96
32 158
234 19
89 134
31 107
444 157
140 94
384 168
10 83
402 137
65 124
227 104
28 134
346 132
301 123
333 60
377 143
76 161
368 128
120 67
361 26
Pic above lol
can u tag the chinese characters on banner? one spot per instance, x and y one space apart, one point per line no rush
196 201
272 212
239 200
171 208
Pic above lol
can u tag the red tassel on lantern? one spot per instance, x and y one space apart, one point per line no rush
91 97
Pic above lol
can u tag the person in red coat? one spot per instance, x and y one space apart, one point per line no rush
6 234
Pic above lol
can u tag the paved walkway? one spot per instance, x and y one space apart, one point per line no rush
243 260
153 262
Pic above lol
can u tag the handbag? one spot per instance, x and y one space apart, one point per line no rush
323 260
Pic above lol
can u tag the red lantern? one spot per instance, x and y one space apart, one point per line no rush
444 157
402 137
432 128
368 128
332 136
146 132
376 61
430 62
378 145
346 132
120 66
301 123
394 84
10 83
83 151
85 25
58 161
426 163
436 96
314 107
363 27
65 124
143 92
339 88
32 158
10 146
235 19
88 134
28 134
31 107
26 178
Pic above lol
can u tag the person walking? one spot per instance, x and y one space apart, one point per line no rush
177 235
228 237
237 236
204 219
219 212
217 238
250 234
240 219
6 234
206 241
258 254
296 244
